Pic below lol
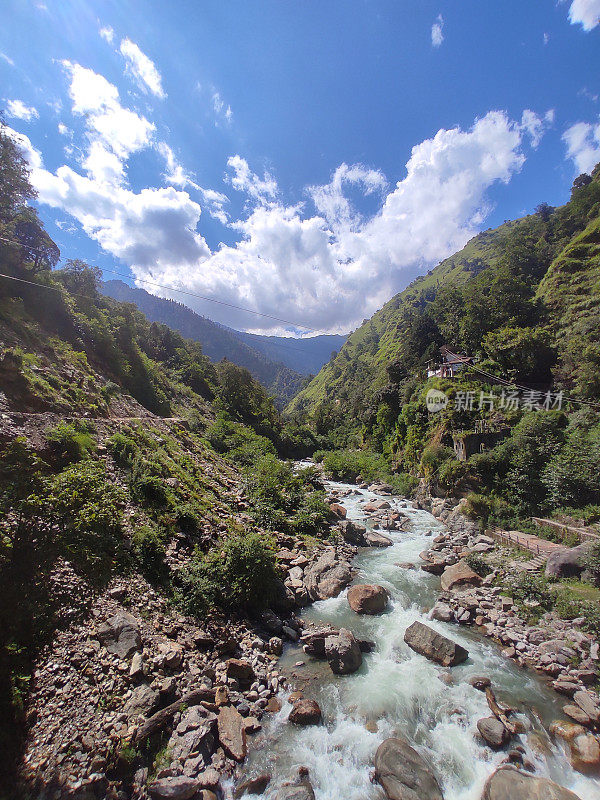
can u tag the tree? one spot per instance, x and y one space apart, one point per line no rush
581 180
15 188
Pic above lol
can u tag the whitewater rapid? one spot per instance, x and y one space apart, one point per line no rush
399 691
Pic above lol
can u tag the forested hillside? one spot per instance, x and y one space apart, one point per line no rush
306 355
217 341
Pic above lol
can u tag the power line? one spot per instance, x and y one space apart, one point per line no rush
513 385
191 294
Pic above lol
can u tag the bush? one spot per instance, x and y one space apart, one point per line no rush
433 456
123 449
478 506
148 550
187 518
69 442
347 465
478 564
236 441
525 586
241 573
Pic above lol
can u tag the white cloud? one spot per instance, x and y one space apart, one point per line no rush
17 109
8 59
437 31
321 262
585 13
546 38
110 126
220 108
107 34
141 68
535 126
583 145
63 130
244 180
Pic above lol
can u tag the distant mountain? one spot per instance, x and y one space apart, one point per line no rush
306 356
217 341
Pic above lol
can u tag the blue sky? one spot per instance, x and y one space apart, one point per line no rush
302 159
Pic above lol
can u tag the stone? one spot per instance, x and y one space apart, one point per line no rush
433 645
403 773
300 788
313 642
305 712
143 701
459 574
275 646
327 576
576 713
493 732
353 533
343 653
136 670
588 703
442 612
509 783
232 732
271 622
120 635
480 682
173 788
194 737
338 511
568 562
585 753
367 599
376 539
241 670
252 786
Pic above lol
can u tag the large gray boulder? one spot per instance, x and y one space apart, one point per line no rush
173 788
232 733
424 640
569 562
343 652
403 773
459 574
194 737
509 783
493 732
327 576
120 635
143 701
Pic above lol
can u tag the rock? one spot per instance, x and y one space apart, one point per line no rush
232 733
143 701
353 533
313 642
174 788
252 786
120 635
298 789
509 783
568 562
305 712
241 670
576 713
566 730
136 671
432 645
194 737
271 622
275 646
343 653
480 682
442 612
494 732
403 773
376 539
459 574
338 511
367 599
587 703
327 576
585 753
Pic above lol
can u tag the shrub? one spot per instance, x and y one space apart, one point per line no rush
122 448
525 586
148 550
478 506
187 518
69 442
241 573
433 456
478 564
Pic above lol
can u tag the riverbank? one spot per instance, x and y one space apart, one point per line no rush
396 692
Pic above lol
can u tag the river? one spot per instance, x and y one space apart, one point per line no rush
399 691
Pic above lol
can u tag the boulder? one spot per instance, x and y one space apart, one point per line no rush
343 652
194 737
493 732
313 641
232 733
353 533
459 574
338 511
327 576
375 539
480 682
143 701
120 635
509 783
588 703
241 670
300 788
433 645
442 612
568 562
305 712
367 599
585 753
252 786
173 788
403 773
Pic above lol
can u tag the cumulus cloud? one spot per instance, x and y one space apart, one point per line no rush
141 68
437 31
585 13
535 126
583 145
323 261
16 109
